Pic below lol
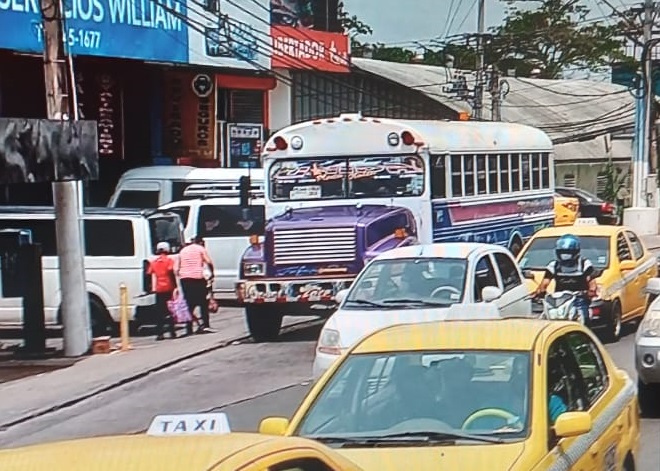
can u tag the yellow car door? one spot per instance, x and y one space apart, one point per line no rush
623 270
647 267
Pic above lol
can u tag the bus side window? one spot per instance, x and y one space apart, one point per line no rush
505 175
457 175
545 171
439 177
469 174
515 172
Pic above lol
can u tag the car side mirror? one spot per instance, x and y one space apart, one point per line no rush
627 265
274 426
491 293
653 286
528 274
573 424
341 295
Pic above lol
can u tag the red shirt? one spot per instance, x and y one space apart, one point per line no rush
162 268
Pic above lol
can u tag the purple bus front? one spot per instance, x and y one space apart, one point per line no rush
310 254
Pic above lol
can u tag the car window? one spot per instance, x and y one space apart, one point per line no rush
302 464
138 199
484 276
230 221
564 379
636 245
508 271
98 244
622 248
541 252
590 362
182 211
367 398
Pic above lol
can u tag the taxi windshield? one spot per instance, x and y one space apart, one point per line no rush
409 281
541 252
446 394
327 178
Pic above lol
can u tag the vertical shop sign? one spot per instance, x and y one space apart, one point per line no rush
189 115
100 97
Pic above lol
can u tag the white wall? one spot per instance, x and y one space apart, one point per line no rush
280 101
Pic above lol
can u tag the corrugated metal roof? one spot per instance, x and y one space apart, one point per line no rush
568 110
593 149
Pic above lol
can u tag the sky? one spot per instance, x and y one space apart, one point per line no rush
404 21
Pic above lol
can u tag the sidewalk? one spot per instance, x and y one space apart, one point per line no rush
30 397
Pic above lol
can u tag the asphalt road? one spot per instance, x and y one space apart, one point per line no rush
248 381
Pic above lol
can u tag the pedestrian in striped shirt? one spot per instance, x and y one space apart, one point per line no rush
192 260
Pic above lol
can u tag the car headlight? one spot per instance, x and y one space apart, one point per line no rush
329 342
650 327
254 269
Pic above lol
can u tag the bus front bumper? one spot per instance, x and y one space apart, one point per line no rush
290 290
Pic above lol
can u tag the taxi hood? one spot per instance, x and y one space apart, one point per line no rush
493 457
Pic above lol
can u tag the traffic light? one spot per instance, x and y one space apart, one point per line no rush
244 187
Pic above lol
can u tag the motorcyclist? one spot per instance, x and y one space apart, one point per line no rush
571 272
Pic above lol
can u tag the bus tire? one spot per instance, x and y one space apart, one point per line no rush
263 323
516 246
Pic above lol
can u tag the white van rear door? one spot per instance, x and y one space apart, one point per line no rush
139 194
226 229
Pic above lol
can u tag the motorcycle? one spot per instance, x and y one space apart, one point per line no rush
562 305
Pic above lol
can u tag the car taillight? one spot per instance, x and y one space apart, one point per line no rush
569 206
146 277
607 207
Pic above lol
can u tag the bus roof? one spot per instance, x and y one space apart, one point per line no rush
358 135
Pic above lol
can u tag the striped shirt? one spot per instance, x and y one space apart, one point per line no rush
191 262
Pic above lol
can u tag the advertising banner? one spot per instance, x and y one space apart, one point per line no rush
190 107
208 32
307 49
41 150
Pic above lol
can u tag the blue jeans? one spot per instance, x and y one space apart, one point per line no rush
582 305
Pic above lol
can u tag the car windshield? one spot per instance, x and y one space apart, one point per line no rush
339 178
433 393
407 281
541 252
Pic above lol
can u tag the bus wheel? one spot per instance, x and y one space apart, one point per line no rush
263 322
516 246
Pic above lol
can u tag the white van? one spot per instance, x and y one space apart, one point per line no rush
226 229
151 187
118 245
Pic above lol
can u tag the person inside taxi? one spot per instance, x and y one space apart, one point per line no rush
571 272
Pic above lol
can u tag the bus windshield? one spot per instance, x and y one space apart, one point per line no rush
325 178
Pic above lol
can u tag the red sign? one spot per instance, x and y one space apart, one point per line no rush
308 49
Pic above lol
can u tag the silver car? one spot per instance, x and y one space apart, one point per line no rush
647 353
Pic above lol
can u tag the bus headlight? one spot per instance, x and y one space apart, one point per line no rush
254 269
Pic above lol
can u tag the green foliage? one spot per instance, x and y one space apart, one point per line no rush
353 26
614 178
553 36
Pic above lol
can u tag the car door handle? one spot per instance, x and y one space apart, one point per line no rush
594 450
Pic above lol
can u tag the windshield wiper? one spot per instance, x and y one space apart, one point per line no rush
420 302
429 438
366 302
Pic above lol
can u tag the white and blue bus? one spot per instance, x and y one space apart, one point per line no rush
340 191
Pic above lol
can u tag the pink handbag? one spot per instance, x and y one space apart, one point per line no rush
178 307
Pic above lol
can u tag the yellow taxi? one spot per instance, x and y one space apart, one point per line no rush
454 395
188 447
622 262
566 210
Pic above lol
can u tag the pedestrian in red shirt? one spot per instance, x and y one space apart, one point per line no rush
164 280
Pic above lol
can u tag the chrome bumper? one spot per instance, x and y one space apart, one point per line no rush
290 291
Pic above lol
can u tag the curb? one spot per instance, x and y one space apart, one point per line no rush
139 375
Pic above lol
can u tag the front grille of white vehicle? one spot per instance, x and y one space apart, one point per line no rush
322 245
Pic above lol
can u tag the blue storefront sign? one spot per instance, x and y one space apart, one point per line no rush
187 31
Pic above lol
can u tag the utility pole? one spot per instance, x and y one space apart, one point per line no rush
649 11
479 87
68 228
496 94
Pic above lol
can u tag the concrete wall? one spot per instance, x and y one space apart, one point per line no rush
586 174
280 102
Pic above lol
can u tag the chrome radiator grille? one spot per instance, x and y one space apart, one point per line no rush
322 245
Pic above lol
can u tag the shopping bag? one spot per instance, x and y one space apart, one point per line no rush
178 307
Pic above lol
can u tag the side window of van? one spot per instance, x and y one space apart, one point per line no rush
230 221
139 199
43 232
98 243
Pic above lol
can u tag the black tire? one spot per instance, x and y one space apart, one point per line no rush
263 323
516 247
614 325
647 394
99 317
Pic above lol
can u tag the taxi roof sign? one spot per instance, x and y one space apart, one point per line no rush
189 424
